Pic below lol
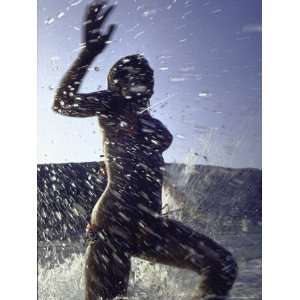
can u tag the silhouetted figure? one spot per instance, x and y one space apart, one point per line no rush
127 221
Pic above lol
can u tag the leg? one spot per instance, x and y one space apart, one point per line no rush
171 243
107 270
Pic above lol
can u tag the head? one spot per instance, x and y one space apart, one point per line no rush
132 78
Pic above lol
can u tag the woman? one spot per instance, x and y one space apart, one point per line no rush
126 221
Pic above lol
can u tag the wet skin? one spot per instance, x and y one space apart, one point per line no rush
127 217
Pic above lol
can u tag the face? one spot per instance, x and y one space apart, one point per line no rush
136 83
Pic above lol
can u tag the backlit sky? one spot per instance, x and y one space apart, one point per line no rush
206 56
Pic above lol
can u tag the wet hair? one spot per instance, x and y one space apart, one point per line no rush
125 67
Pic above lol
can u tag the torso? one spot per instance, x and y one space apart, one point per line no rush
133 146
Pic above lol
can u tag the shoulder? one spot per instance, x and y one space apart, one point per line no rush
100 95
108 100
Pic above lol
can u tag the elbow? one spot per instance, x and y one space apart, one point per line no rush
56 108
63 101
60 109
60 106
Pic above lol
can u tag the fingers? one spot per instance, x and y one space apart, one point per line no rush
102 17
95 16
93 10
110 31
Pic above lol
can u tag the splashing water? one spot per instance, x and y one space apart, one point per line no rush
61 274
63 281
147 281
61 265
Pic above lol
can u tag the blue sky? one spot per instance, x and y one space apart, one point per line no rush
207 61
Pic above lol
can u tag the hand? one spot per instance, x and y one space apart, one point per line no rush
94 40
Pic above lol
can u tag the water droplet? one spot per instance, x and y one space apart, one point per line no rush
60 15
49 21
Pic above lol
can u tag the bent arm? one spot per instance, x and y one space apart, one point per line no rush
68 101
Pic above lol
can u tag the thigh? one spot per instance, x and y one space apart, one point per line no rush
107 270
171 243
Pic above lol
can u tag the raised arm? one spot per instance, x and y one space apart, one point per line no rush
67 99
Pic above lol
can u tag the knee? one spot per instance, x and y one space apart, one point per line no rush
229 269
223 276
